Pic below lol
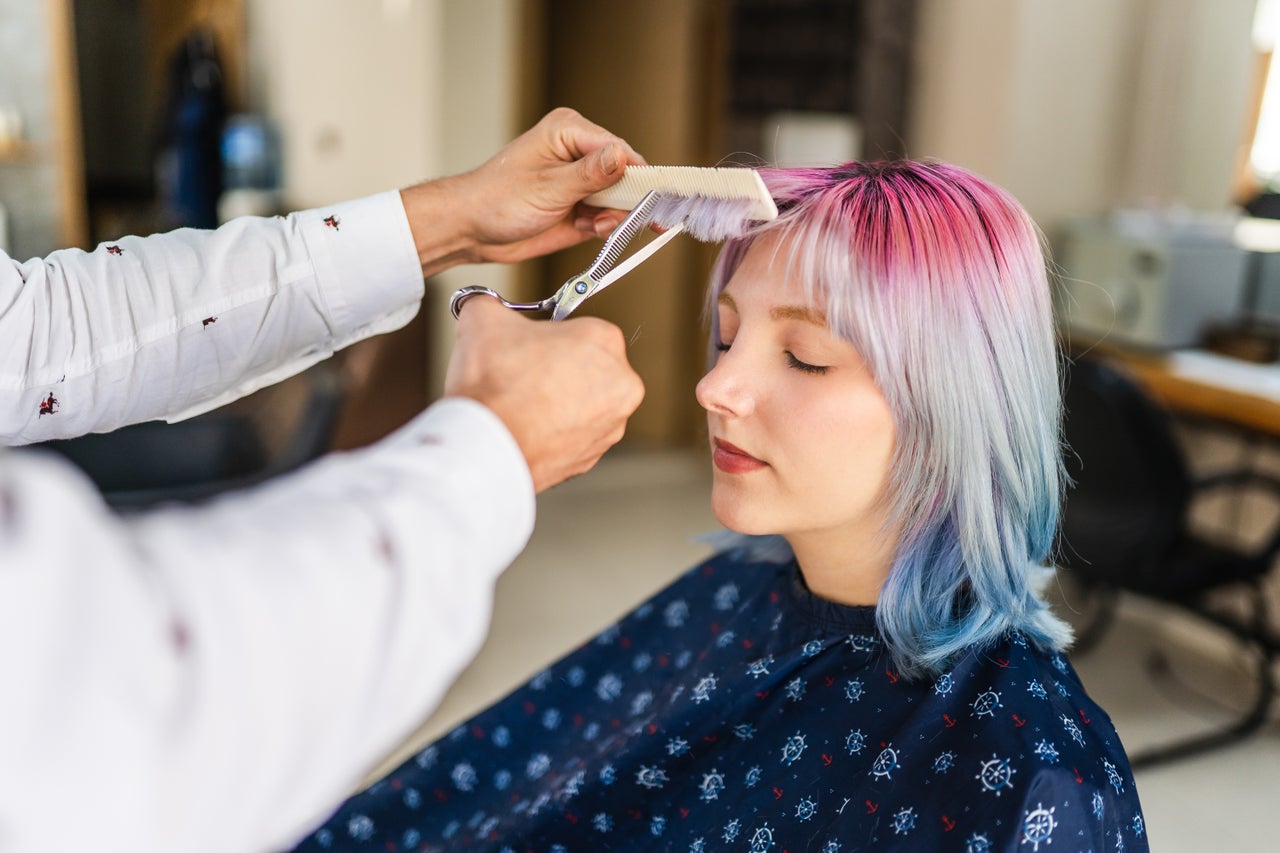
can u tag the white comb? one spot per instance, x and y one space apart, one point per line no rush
712 204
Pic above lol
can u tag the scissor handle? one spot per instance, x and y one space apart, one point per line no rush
462 295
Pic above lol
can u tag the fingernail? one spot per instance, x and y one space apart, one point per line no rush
586 224
610 162
604 227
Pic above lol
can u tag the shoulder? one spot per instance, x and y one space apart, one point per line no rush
1022 697
1051 802
1031 755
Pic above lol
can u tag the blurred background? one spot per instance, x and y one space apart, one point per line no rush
1142 135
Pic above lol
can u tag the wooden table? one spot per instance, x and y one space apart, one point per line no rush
1191 396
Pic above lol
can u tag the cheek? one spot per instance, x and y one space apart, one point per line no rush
846 450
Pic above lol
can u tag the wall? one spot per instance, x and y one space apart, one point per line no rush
41 190
354 88
485 86
1218 79
645 71
1078 107
380 95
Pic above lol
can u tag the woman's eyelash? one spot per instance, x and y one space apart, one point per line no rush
797 364
803 367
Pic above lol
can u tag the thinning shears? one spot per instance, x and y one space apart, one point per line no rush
596 277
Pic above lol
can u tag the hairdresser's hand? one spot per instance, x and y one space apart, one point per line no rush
565 390
523 202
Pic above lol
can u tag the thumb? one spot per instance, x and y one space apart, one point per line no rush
478 313
601 168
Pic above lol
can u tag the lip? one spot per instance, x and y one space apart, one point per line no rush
734 460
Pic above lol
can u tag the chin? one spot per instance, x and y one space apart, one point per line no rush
739 515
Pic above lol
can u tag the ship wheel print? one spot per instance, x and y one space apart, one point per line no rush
996 774
886 762
986 704
1038 827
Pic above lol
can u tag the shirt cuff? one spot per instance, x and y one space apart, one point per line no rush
366 264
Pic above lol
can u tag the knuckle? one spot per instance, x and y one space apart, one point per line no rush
564 114
589 171
609 335
592 330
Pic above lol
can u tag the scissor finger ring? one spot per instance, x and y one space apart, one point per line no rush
461 296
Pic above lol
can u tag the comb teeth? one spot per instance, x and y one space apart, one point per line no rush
712 203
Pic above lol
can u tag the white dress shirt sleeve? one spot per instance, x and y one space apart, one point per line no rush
172 325
220 677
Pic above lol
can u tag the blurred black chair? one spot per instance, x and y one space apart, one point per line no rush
256 438
1125 528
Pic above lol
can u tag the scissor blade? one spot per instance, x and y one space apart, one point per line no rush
641 255
566 306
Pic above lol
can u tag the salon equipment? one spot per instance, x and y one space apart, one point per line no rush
189 165
1151 280
1261 237
710 204
1125 527
250 168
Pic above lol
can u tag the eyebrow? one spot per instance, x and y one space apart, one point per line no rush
798 312
783 312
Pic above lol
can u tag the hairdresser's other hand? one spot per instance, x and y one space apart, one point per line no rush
564 390
523 202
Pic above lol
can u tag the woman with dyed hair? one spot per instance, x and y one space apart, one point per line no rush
868 663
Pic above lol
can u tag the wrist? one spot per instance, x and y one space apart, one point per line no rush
443 232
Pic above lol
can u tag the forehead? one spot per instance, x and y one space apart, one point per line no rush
769 277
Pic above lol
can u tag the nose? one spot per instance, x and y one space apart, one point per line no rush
724 390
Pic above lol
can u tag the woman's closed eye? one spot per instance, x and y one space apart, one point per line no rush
805 367
792 361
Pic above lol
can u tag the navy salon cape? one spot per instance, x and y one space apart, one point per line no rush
737 711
